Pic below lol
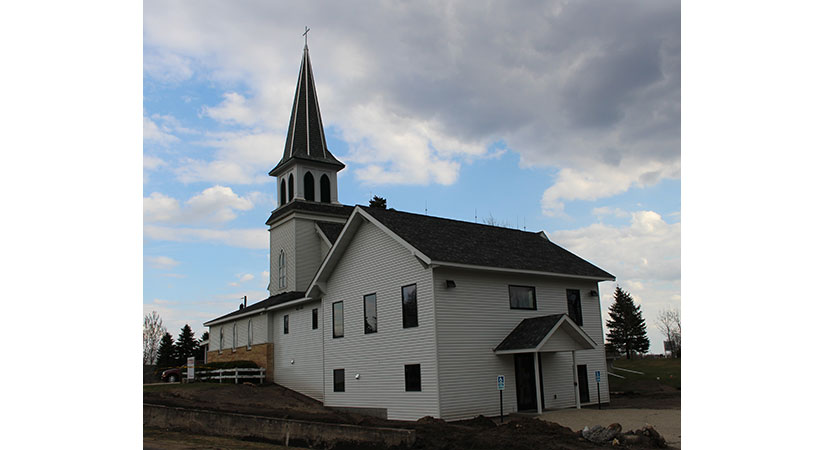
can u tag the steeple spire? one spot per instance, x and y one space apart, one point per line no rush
305 137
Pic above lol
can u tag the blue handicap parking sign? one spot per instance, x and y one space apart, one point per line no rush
500 381
598 376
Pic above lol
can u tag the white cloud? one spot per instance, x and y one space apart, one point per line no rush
234 109
217 204
152 162
648 248
645 257
608 211
238 159
166 66
162 262
565 85
242 279
600 181
152 132
255 238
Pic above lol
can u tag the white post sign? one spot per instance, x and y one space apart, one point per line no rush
190 368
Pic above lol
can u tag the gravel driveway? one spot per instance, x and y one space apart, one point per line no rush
668 422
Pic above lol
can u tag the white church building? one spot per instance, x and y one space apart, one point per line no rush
405 315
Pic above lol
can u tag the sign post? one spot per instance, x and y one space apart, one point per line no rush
190 368
598 387
500 383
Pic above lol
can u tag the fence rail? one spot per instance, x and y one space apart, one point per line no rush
231 374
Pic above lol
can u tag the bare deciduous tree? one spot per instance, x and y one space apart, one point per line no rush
153 331
669 322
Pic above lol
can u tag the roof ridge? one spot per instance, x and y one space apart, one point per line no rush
451 220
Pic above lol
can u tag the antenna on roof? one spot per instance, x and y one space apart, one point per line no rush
425 208
476 215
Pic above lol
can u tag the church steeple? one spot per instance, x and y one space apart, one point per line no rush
305 138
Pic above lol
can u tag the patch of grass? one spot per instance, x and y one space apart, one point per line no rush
668 371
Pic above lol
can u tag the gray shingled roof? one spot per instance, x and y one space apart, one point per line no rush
331 230
271 301
305 136
529 333
454 241
331 209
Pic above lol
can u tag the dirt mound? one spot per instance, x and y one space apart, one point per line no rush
479 421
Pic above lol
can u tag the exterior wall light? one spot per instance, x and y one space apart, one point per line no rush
357 376
292 361
450 284
594 293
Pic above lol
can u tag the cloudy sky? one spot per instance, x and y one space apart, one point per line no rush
557 116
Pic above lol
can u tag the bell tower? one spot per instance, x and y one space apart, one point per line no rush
307 192
307 171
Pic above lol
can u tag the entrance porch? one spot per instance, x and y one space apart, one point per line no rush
542 335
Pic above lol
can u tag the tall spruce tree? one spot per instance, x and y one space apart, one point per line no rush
166 351
186 345
627 331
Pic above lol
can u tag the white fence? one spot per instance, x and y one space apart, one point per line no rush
231 374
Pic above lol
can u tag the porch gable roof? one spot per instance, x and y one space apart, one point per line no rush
537 334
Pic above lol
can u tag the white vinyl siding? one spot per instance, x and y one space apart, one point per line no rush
282 238
375 263
475 316
299 355
259 332
308 245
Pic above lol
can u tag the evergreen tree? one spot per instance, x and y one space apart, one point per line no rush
205 337
378 202
186 345
166 351
627 332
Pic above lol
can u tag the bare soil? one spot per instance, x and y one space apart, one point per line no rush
272 400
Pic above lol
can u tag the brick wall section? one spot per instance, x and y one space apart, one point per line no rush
262 354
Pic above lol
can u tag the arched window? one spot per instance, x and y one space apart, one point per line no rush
309 187
291 188
234 336
325 197
220 342
249 334
282 270
283 192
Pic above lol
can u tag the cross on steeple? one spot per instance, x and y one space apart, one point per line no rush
306 30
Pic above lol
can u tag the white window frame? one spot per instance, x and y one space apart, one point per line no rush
282 269
249 335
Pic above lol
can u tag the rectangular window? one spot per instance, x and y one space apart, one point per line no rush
574 306
522 297
412 377
286 324
409 306
338 380
338 319
370 314
315 318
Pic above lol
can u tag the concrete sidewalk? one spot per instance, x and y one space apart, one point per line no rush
668 422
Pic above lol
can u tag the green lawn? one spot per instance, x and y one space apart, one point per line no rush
668 371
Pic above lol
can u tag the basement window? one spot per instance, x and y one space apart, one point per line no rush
412 377
338 380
